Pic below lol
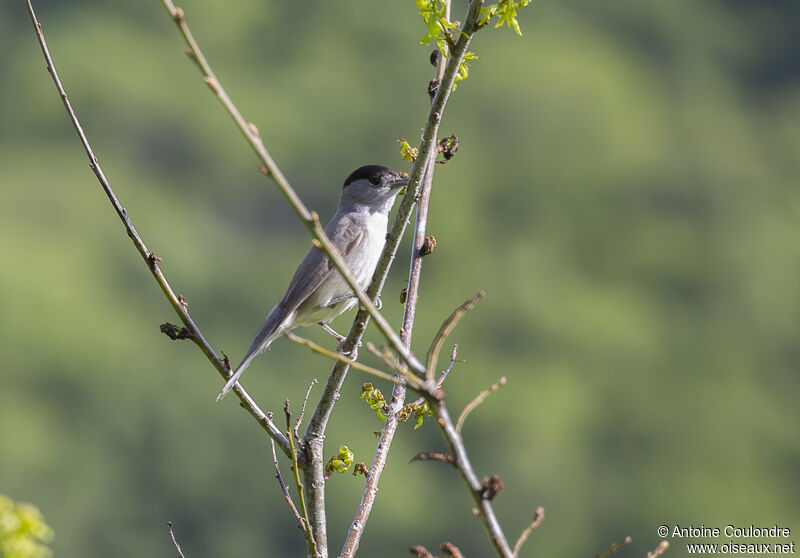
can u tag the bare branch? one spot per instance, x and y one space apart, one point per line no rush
434 456
303 410
453 356
477 401
614 547
301 524
445 372
174 540
447 327
476 489
150 259
538 517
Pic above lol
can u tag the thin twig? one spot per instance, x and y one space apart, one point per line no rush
453 355
388 357
303 411
445 372
149 257
285 489
434 456
350 362
308 532
172 534
447 327
477 401
614 547
538 517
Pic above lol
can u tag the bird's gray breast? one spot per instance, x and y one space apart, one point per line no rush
359 237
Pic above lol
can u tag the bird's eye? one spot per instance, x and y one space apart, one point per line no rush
375 180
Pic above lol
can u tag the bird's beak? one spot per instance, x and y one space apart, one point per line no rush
401 183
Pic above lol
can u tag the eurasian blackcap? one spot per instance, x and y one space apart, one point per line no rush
317 292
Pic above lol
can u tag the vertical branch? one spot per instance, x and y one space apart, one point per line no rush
399 391
445 75
308 531
317 424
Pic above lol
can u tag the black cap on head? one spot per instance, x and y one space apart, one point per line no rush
373 173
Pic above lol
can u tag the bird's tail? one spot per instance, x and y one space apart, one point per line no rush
271 329
237 373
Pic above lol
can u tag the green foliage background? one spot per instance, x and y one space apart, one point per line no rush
626 191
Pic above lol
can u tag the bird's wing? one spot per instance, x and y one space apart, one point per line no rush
316 267
311 272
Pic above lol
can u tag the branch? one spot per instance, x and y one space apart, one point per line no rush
445 372
434 456
538 517
350 362
308 531
447 327
303 410
172 535
151 260
477 401
477 489
301 524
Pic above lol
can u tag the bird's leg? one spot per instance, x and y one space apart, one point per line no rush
332 332
339 338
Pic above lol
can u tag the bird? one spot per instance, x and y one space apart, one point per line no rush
317 292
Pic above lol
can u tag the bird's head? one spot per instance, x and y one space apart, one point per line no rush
372 186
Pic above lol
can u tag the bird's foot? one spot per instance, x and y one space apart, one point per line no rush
351 353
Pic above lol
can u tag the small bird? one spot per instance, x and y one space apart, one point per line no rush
317 292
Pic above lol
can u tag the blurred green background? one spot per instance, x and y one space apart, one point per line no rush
626 192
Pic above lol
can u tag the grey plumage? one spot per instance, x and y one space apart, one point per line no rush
318 292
